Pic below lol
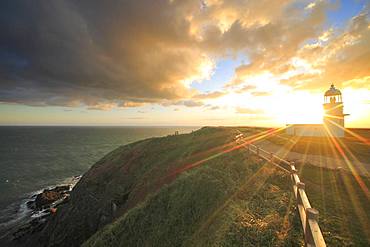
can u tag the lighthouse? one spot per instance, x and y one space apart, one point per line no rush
333 121
333 112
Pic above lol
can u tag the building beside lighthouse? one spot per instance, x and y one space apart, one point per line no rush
333 121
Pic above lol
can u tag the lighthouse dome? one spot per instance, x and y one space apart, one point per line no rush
332 91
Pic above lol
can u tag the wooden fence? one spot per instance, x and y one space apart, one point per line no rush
308 215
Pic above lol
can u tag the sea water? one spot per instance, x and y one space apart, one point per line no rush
33 158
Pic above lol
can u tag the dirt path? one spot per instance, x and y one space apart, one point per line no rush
318 160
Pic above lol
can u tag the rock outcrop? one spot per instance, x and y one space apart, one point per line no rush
49 196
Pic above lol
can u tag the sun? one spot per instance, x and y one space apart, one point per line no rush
281 107
298 107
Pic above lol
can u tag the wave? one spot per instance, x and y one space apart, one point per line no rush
18 213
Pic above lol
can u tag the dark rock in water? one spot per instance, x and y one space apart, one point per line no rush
47 197
43 205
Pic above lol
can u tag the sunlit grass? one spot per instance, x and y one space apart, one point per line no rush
214 192
353 185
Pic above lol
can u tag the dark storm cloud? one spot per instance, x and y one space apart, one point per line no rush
73 52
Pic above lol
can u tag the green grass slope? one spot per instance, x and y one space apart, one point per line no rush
199 189
230 199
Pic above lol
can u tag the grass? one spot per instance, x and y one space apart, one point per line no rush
229 199
344 207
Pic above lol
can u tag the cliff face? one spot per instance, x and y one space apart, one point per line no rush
192 189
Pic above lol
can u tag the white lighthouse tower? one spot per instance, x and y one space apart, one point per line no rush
333 108
333 118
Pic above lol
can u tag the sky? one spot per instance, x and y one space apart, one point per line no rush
182 62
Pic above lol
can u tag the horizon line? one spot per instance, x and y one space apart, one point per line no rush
143 126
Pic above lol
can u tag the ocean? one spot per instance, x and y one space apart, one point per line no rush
33 158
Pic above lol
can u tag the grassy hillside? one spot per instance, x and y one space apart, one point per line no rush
237 200
231 200
198 189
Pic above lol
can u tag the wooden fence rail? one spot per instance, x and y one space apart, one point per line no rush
308 215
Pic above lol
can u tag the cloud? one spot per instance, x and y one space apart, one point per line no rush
103 106
246 88
211 95
130 104
242 110
114 54
89 52
343 59
363 82
258 93
298 79
214 108
109 105
189 103
271 47
349 54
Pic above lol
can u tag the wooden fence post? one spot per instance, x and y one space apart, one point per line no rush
311 214
300 206
300 185
293 171
308 216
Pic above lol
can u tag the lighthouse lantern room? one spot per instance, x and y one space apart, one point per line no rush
333 110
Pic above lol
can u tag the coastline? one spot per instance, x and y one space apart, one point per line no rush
161 187
22 214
